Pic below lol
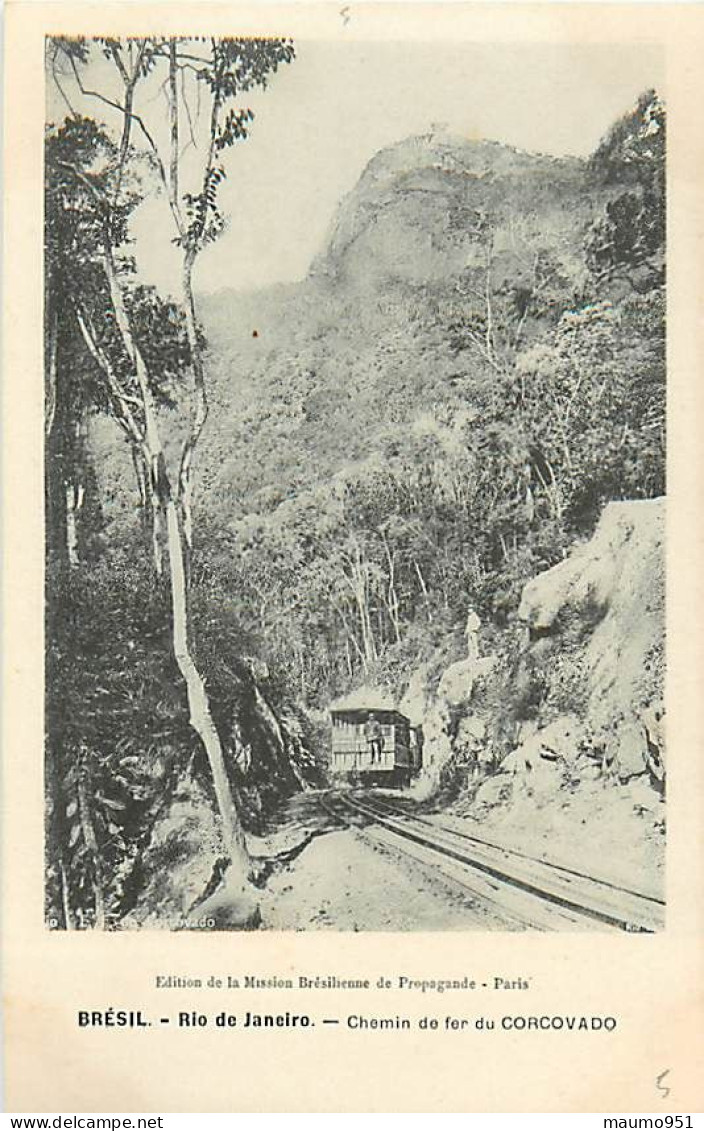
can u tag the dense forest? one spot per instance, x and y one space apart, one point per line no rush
257 502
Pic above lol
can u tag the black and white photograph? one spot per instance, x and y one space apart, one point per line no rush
354 484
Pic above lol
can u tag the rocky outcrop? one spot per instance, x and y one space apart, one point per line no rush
582 697
413 212
444 704
595 627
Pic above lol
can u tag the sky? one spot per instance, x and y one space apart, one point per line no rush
325 116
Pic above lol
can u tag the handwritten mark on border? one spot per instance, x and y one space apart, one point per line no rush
659 1084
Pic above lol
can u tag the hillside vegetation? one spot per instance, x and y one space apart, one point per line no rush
473 368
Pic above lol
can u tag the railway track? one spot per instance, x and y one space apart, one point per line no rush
526 891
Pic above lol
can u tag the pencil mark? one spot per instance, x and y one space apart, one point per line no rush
660 1086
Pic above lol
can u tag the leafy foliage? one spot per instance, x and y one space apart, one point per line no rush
79 162
630 236
109 683
235 67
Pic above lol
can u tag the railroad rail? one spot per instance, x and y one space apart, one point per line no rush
525 890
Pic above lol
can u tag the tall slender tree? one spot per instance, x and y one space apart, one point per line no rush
91 71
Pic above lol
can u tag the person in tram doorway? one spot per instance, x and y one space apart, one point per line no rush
375 737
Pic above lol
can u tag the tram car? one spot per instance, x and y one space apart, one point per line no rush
372 742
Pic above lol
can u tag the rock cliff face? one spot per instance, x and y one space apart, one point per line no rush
414 213
450 705
561 743
596 623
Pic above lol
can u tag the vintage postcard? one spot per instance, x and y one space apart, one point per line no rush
352 539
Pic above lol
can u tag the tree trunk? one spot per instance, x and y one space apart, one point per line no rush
74 501
71 539
360 592
200 398
489 314
424 590
148 509
392 603
201 718
350 636
358 583
50 399
65 899
173 123
199 708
